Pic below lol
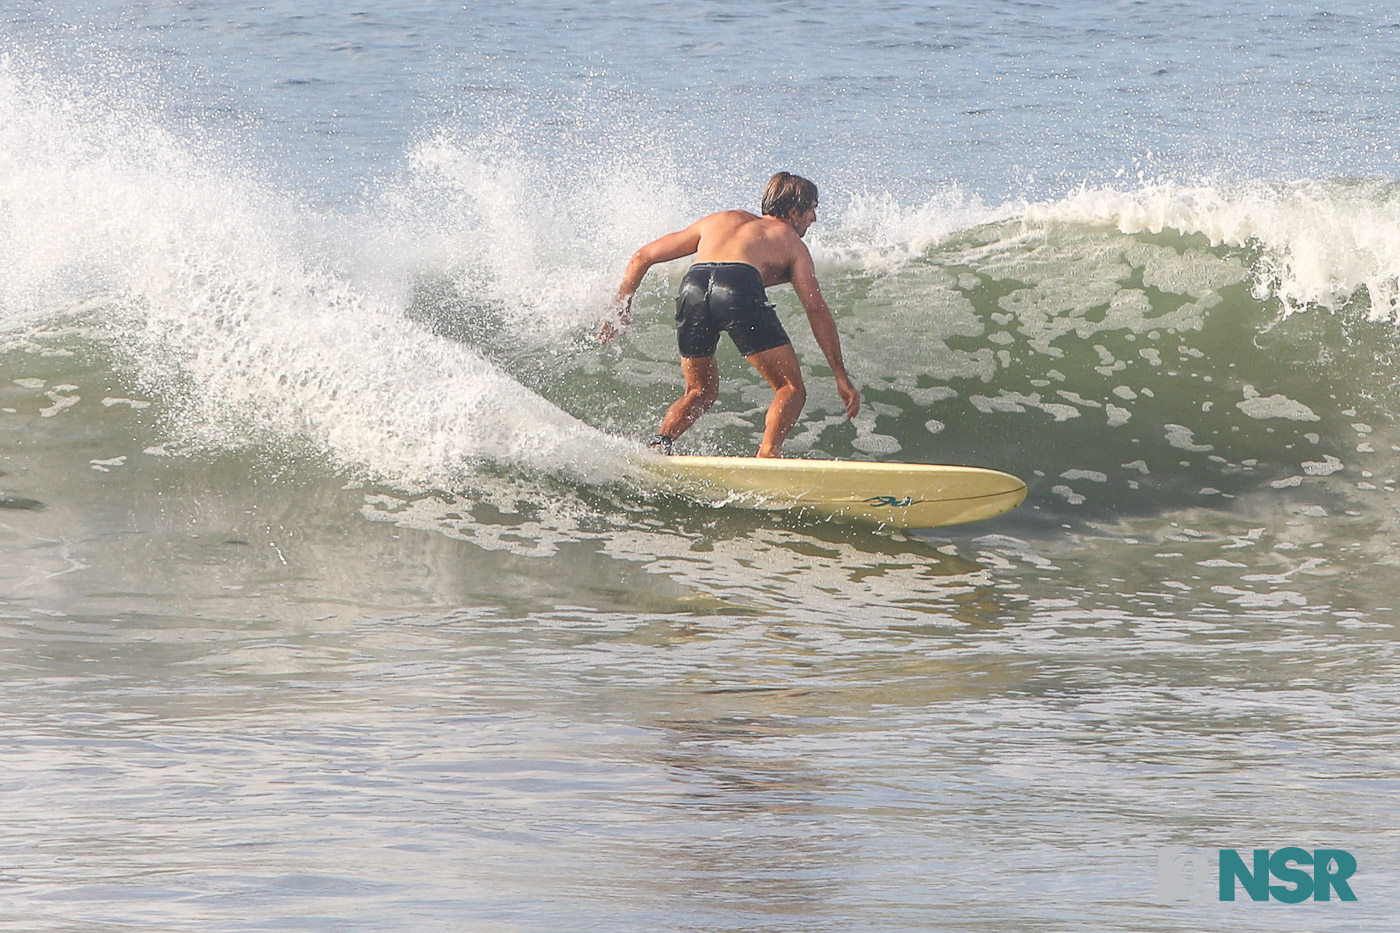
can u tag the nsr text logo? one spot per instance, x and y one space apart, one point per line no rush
1182 875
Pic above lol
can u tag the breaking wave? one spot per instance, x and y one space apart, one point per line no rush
1128 351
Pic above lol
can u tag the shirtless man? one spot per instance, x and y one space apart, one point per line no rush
737 256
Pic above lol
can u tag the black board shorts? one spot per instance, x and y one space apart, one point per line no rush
725 296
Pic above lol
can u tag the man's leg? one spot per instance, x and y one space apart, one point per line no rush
779 366
701 390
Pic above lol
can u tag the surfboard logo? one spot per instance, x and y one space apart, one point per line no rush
893 502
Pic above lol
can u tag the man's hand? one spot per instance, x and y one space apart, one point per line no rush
617 322
849 394
671 246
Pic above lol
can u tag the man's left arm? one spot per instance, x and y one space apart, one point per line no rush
671 246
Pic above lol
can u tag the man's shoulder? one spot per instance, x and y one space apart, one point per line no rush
735 216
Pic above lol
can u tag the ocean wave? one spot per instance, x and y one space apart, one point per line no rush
209 286
1126 350
1320 242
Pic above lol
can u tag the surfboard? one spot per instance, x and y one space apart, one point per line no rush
902 495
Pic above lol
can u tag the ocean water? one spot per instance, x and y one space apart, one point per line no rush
331 594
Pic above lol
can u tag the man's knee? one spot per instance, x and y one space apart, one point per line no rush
702 394
793 392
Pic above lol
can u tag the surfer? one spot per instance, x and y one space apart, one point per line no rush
737 256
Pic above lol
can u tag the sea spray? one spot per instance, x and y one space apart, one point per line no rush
1321 242
209 298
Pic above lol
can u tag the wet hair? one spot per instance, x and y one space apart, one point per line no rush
787 192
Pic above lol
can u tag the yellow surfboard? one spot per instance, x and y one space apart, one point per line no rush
903 495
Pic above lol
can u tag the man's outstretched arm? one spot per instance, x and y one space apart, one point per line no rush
804 282
671 246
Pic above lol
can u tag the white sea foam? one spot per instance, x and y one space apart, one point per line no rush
208 285
1275 406
516 231
1321 241
877 231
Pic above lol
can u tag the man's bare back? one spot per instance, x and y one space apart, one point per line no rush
766 243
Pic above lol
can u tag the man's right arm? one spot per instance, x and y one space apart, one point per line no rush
804 282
